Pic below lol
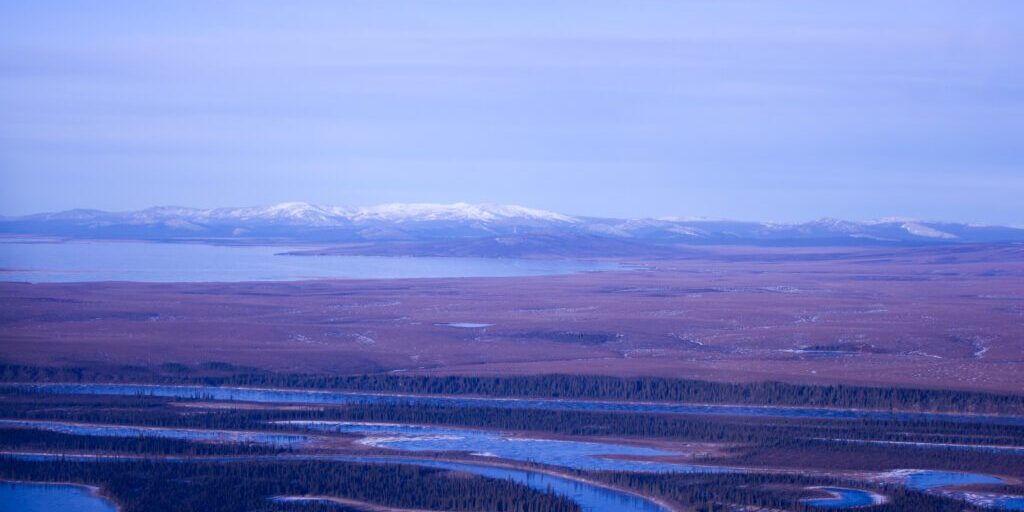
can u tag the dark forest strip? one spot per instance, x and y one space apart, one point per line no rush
652 389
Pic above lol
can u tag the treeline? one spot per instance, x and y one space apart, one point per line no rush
716 429
836 455
249 486
561 386
28 439
726 491
652 389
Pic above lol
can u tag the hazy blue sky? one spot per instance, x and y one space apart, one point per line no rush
756 109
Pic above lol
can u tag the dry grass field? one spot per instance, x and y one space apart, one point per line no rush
944 317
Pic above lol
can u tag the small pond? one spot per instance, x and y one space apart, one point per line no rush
842 498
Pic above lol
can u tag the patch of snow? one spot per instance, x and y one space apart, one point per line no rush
923 354
872 237
607 229
363 339
682 230
400 212
833 224
917 229
383 441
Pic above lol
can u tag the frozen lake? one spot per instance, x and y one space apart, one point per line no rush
60 262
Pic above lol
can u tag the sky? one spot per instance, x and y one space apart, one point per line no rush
754 110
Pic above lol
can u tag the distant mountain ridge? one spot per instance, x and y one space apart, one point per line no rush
479 227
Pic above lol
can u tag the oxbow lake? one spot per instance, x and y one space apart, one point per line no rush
61 262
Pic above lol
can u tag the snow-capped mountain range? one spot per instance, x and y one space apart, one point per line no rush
305 214
505 225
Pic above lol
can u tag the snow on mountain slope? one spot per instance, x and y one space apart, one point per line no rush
316 215
298 221
294 212
400 212
917 229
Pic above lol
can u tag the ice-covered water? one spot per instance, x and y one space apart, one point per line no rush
563 453
842 498
41 497
182 262
214 436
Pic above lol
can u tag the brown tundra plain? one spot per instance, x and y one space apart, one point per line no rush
942 317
